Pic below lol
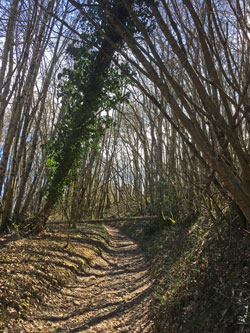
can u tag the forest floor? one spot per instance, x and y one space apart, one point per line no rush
199 278
100 283
201 272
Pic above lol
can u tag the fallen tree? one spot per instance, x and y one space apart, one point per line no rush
119 219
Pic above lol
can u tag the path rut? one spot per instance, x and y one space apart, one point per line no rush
112 296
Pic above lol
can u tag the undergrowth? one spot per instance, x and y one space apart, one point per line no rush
202 274
33 267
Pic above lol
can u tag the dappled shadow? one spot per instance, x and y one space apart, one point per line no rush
7 238
120 309
112 295
56 253
35 267
61 225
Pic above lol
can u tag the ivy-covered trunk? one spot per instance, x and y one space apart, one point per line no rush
81 124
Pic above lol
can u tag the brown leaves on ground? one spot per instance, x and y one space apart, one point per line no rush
110 294
202 274
33 267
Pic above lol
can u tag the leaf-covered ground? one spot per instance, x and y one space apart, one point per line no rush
202 274
201 271
34 267
49 288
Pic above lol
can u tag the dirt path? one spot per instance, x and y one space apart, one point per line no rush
112 296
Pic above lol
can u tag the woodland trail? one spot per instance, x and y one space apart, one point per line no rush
113 295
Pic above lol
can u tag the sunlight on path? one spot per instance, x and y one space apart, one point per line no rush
111 296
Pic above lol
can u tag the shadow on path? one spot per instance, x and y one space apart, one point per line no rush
113 295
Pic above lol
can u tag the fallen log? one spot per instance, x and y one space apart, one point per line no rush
119 219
